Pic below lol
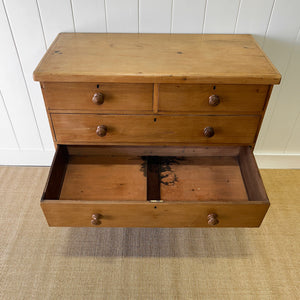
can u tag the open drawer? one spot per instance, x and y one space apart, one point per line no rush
139 186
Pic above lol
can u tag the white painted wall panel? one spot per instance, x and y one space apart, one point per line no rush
30 54
122 16
89 15
279 43
287 107
253 18
7 140
28 27
282 32
188 16
155 16
293 144
57 16
14 90
221 16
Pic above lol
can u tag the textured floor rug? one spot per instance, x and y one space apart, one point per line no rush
38 262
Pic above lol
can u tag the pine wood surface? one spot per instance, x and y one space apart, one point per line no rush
143 214
104 179
117 97
193 98
203 178
139 129
125 150
162 98
156 58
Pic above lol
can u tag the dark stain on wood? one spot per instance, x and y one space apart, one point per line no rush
143 167
168 178
167 174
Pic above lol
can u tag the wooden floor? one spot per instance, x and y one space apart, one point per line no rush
38 262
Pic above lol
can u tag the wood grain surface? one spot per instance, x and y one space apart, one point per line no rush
182 151
159 58
202 178
194 98
78 96
139 129
104 178
144 214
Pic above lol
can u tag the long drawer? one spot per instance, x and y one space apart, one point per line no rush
103 97
139 129
212 98
115 186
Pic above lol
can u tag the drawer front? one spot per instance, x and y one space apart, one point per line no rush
72 213
81 129
210 98
98 97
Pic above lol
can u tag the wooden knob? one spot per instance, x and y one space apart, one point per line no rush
101 130
213 100
96 219
212 219
98 98
208 132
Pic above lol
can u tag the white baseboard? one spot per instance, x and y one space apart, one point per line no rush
278 161
44 158
26 157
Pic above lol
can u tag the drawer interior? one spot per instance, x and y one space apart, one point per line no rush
215 178
103 178
139 173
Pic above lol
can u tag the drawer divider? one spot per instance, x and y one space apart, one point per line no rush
153 178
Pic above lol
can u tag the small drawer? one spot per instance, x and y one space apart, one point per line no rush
115 186
147 129
212 98
102 97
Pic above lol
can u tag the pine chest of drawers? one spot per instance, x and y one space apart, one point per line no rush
155 130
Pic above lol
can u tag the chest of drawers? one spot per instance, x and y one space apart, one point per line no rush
155 130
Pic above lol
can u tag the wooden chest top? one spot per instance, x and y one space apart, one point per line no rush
156 58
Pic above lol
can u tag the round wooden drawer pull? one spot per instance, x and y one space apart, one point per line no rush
213 100
98 98
212 219
208 131
101 130
96 219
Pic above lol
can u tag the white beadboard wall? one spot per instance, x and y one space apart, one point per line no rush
28 27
